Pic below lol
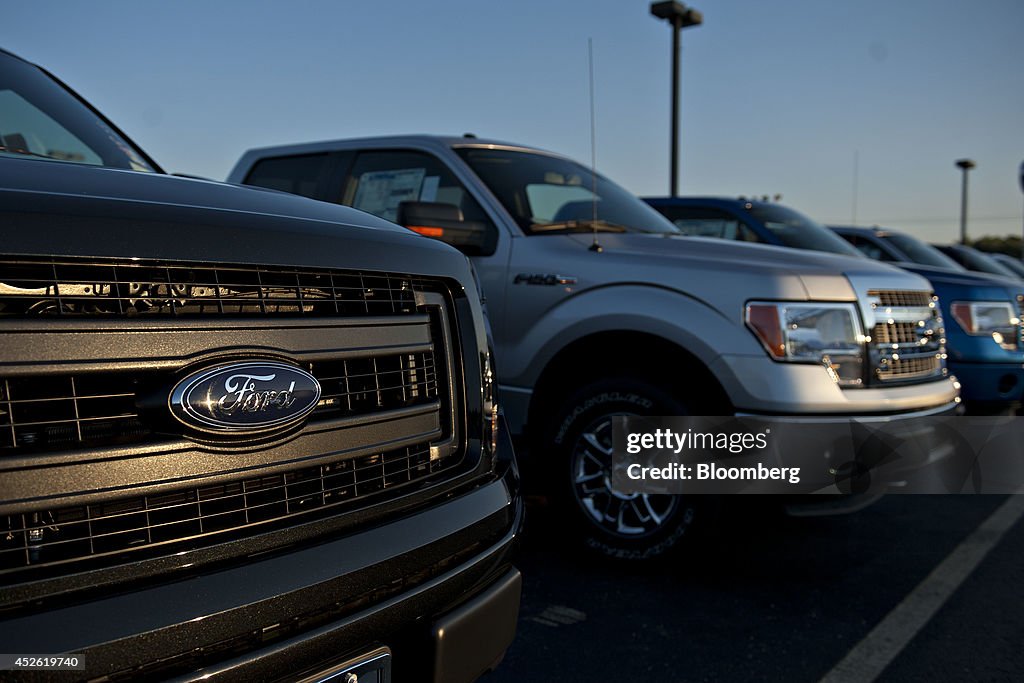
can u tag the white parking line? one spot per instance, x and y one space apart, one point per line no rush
559 615
879 647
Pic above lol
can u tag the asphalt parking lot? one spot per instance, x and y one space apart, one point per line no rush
770 597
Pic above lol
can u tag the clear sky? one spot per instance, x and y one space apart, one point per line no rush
777 97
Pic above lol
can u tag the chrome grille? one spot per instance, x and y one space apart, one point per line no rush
204 514
1020 325
71 287
908 368
896 333
46 413
907 339
900 298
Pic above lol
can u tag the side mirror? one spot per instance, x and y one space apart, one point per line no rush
446 223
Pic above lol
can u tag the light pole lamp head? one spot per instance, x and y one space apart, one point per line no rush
964 164
674 12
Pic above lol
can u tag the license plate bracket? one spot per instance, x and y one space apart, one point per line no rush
372 667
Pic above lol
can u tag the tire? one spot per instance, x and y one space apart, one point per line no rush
579 441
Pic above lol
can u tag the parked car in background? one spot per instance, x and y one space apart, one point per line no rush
244 435
600 308
989 367
1007 261
749 220
977 261
982 316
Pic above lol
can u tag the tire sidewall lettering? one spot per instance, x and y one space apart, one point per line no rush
594 401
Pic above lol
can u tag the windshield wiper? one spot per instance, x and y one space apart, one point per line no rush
578 226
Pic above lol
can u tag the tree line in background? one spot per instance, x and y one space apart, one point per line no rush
1009 245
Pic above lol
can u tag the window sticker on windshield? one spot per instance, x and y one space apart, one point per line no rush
380 192
429 191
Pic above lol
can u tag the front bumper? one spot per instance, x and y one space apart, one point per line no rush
850 480
756 384
861 463
287 615
993 384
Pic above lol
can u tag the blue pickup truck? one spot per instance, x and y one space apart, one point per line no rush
982 312
985 343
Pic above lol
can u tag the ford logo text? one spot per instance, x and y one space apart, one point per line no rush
245 398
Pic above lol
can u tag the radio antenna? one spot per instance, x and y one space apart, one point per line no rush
595 246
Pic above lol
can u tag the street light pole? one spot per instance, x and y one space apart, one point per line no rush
680 17
676 40
964 165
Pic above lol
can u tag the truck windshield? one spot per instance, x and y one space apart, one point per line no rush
794 229
972 259
1011 263
40 119
920 252
548 194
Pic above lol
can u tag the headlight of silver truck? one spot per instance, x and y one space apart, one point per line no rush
823 333
997 319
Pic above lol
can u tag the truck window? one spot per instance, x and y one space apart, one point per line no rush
548 195
921 252
868 248
47 138
793 229
380 181
298 174
700 221
42 120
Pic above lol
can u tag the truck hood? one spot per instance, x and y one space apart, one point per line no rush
116 185
963 281
758 270
52 209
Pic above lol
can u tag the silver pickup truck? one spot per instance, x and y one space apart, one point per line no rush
600 308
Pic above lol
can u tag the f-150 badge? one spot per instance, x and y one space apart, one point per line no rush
543 279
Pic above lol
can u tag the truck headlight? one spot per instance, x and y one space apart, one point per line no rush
823 333
997 319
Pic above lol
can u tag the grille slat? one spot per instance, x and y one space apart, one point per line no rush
29 288
909 367
897 333
82 533
901 299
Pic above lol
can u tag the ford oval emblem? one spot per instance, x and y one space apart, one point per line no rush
245 398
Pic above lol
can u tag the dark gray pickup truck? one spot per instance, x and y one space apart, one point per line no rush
242 434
